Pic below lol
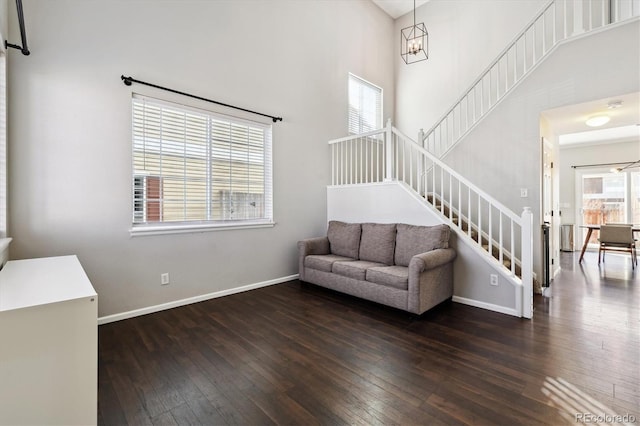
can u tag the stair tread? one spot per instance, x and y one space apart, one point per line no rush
464 226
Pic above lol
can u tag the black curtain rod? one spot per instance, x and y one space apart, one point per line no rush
629 163
129 80
23 32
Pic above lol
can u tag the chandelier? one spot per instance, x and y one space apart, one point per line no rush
414 41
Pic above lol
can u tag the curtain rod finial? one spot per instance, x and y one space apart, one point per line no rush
126 80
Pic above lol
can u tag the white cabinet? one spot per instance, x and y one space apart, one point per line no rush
48 343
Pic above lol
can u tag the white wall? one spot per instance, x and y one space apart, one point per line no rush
465 36
70 142
388 202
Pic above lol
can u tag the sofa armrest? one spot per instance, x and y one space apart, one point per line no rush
318 245
430 279
431 259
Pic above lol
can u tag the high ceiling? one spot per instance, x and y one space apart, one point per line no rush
397 8
569 122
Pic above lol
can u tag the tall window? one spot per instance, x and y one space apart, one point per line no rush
607 197
365 106
3 148
194 168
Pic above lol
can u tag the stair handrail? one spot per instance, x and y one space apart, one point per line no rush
489 68
552 35
356 136
510 213
381 156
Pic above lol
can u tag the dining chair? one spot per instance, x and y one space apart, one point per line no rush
617 237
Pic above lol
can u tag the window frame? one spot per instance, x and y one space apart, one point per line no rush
197 225
380 107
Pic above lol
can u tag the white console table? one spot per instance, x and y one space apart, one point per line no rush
48 343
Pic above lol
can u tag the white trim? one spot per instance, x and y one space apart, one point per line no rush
4 250
141 231
182 302
485 305
4 244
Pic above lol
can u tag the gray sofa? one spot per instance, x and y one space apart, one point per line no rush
404 266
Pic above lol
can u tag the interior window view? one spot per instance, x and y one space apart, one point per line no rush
319 212
610 198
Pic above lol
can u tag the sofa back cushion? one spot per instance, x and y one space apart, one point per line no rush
344 238
378 242
412 240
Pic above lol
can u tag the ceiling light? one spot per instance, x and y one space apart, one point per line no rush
414 41
597 121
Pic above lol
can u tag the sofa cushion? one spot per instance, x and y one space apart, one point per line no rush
412 240
390 276
324 262
356 269
344 238
377 243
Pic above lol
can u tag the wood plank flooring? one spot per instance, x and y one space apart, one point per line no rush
298 354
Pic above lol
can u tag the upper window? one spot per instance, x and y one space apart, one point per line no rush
194 168
365 106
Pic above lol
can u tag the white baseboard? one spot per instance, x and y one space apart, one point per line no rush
170 305
485 305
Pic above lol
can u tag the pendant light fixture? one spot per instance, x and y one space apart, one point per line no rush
414 41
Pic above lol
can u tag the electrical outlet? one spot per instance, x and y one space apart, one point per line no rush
494 279
164 278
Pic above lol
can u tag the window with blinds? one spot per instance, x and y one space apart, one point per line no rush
193 166
365 106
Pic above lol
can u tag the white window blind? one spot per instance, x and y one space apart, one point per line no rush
365 106
194 166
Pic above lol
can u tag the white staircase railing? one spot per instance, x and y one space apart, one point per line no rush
556 22
388 155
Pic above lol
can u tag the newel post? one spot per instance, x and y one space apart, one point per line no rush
388 146
526 309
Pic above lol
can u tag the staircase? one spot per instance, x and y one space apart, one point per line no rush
503 238
499 236
557 22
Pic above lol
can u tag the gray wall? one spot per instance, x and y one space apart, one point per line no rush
70 128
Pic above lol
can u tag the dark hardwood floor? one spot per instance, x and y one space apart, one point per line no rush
298 354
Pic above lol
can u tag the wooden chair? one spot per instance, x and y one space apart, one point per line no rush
617 237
